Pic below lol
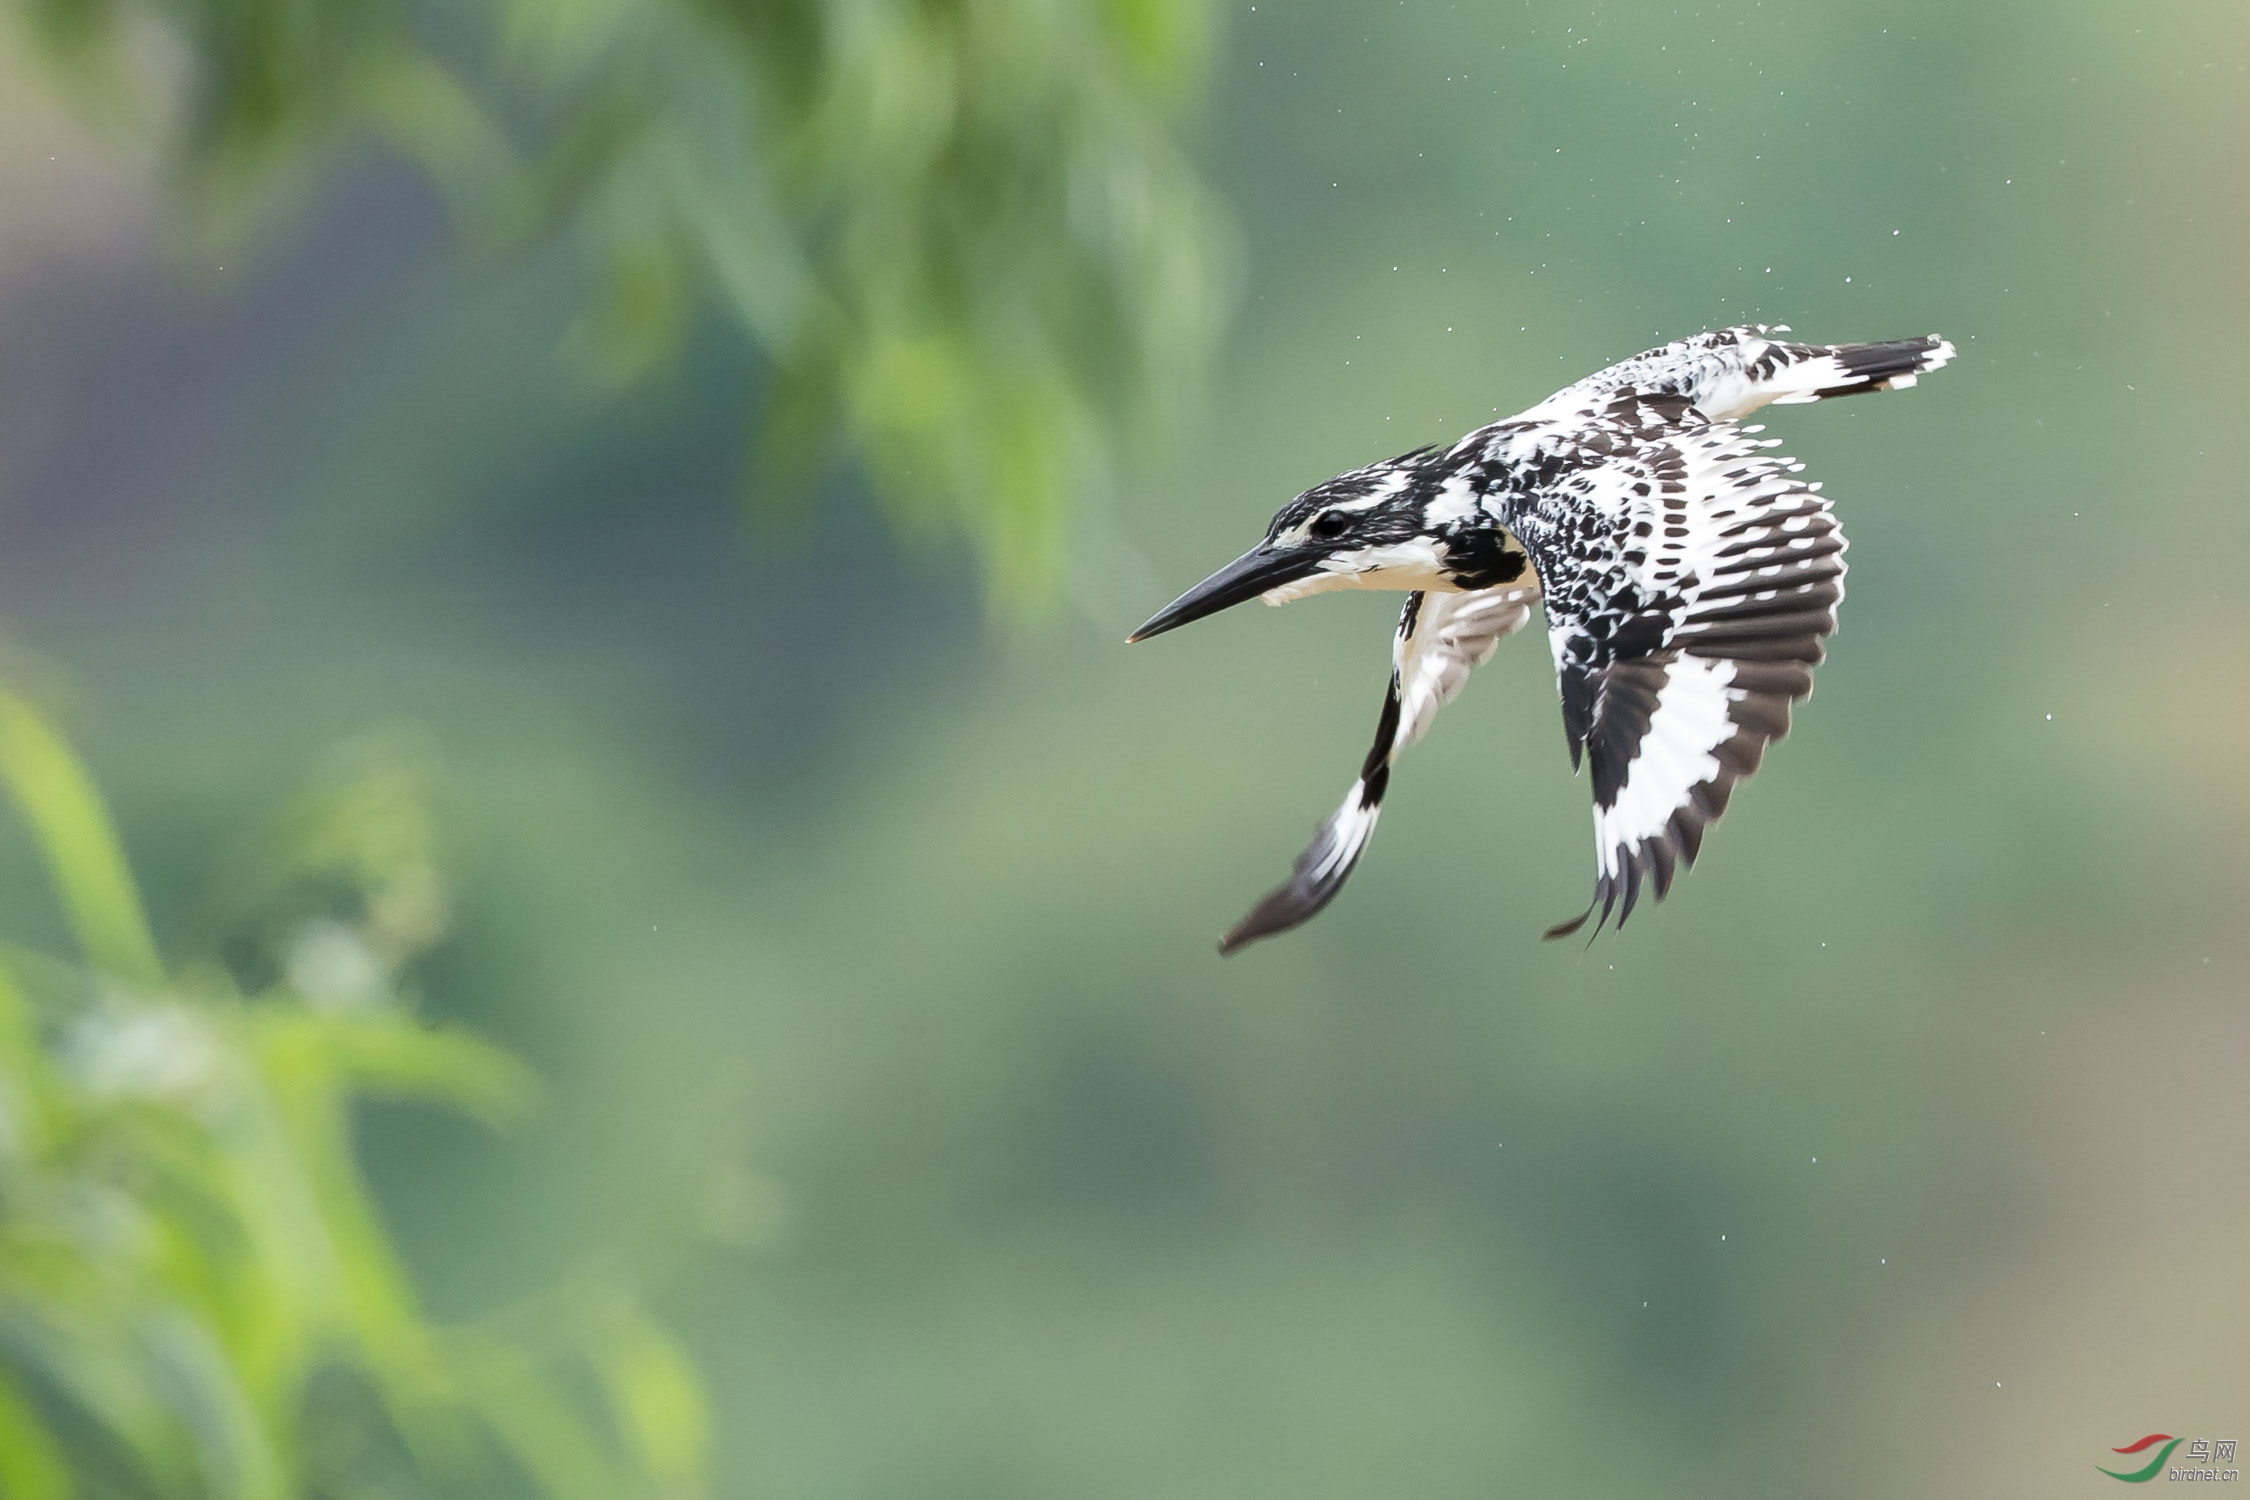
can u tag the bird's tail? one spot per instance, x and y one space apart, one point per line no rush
1734 371
1789 374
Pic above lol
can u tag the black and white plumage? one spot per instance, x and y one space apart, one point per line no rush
1689 580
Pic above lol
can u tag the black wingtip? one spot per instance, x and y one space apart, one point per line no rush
1565 929
1318 874
1247 931
1288 905
1607 890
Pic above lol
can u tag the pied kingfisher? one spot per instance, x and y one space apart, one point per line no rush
1687 575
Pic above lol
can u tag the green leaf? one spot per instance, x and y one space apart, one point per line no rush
72 827
31 1462
24 1081
538 1427
659 1404
389 1053
193 1272
913 210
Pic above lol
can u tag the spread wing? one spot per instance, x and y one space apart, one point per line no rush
1441 639
1690 581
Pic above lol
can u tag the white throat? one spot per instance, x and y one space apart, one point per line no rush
1401 566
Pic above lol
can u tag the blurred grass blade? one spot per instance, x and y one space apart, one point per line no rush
537 1426
72 827
660 1405
202 1381
396 1056
31 1463
24 1086
199 1299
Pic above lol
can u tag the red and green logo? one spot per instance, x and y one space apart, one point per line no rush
2155 1465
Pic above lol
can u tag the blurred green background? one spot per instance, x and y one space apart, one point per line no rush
851 888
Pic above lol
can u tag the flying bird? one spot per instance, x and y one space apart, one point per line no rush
1688 577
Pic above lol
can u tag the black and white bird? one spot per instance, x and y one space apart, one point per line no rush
1688 578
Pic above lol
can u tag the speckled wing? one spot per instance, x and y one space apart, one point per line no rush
1691 581
1441 639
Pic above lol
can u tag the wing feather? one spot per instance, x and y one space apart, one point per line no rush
1691 582
1441 639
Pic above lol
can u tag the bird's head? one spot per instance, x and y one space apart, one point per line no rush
1386 526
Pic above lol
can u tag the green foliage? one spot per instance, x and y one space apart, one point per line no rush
197 1297
962 230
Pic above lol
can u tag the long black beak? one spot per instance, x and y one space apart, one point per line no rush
1262 567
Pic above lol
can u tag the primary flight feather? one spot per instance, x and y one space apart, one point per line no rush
1688 576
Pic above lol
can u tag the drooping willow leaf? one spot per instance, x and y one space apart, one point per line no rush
963 232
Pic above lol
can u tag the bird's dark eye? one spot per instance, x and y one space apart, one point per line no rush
1330 524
